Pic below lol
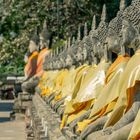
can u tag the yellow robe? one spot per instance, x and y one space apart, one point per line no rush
47 82
65 77
135 131
68 85
80 73
92 84
130 77
59 81
108 95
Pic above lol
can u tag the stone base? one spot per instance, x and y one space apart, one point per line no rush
45 121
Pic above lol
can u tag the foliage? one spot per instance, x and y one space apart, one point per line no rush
19 18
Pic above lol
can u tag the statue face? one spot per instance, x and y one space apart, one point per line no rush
113 43
94 44
96 49
90 56
62 62
79 54
58 63
32 46
53 65
50 65
100 51
69 61
84 52
128 33
25 58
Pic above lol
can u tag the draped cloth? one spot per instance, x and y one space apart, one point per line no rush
46 82
109 93
135 131
78 79
67 86
130 78
59 81
30 67
93 83
88 92
41 57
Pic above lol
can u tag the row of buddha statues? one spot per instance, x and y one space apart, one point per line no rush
102 40
93 83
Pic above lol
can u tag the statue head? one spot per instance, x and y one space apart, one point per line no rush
91 41
32 46
86 46
99 35
131 23
44 37
62 57
69 57
78 49
26 57
42 43
34 41
113 39
69 61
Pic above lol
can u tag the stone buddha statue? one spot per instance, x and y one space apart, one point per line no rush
91 54
78 49
64 55
113 39
99 35
86 47
103 26
71 59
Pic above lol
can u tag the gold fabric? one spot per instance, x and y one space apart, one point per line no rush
46 83
93 83
130 77
67 85
110 92
108 95
80 73
78 82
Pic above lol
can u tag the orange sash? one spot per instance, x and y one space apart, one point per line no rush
40 61
28 66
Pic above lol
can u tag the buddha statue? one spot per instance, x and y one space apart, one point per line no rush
78 49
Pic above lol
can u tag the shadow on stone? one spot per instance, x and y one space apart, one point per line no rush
4 107
4 119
